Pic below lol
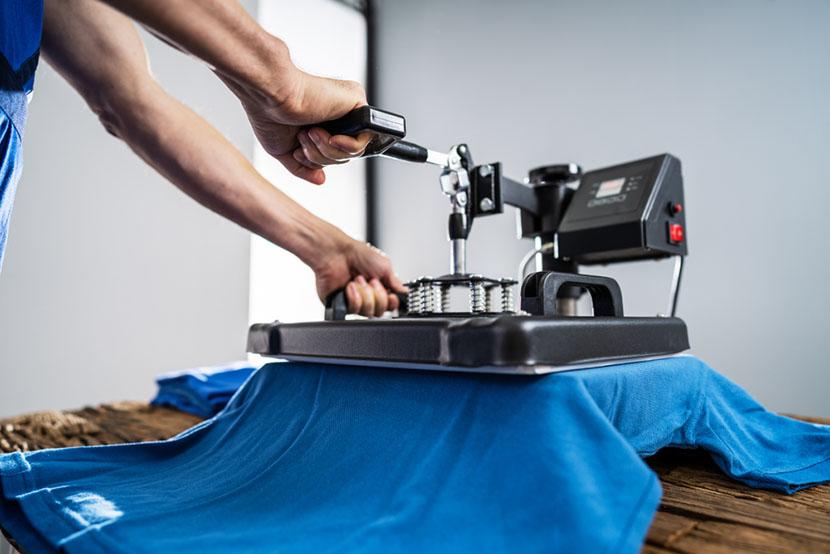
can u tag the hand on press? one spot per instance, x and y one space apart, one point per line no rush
279 120
368 277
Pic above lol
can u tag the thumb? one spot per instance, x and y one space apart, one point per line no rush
393 282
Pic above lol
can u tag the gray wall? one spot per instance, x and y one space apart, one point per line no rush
737 89
112 275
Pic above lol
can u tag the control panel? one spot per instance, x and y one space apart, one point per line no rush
626 212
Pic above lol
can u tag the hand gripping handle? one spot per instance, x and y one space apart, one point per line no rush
387 127
337 305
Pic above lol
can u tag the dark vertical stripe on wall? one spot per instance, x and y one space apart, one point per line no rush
371 94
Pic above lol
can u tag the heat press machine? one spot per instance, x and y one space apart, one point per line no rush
621 213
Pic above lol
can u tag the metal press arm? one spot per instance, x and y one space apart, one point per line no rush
473 191
411 152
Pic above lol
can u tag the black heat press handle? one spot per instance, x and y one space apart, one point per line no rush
541 289
337 305
389 128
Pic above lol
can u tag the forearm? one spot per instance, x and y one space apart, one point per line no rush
202 163
177 142
278 98
251 61
98 50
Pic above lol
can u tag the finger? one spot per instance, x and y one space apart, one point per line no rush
393 282
394 303
354 146
299 155
311 152
368 307
381 297
355 299
320 138
368 293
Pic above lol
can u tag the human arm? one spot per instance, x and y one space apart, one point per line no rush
279 99
194 156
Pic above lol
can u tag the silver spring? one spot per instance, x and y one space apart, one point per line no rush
410 295
427 297
490 299
506 296
445 298
414 298
477 296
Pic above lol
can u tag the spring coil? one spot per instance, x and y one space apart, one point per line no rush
414 298
445 298
478 296
427 297
507 297
490 299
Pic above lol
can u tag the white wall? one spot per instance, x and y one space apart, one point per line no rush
111 274
282 287
736 89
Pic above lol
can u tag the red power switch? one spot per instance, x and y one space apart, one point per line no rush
675 233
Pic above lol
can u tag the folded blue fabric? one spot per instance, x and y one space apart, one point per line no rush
320 458
202 391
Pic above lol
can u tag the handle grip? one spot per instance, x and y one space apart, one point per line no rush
408 152
541 289
337 305
388 128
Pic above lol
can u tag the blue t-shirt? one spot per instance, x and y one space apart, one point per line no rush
21 22
322 458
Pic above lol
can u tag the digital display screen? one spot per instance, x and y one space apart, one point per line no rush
610 188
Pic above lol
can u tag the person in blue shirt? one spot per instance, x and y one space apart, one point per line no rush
96 48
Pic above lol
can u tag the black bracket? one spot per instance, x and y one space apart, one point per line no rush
540 290
485 190
491 191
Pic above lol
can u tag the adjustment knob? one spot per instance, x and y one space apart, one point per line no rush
675 208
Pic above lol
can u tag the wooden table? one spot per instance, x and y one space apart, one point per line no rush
701 510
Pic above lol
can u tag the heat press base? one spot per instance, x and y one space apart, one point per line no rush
527 345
